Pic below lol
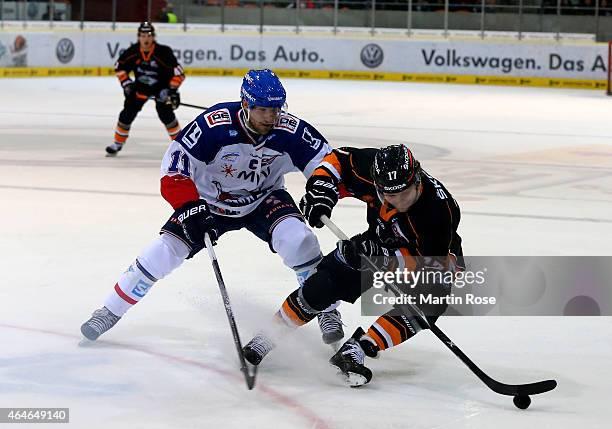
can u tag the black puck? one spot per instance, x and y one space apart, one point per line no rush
522 402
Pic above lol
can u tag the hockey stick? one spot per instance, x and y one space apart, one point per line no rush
152 97
248 377
193 105
496 386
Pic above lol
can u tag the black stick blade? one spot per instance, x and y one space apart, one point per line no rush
521 389
250 377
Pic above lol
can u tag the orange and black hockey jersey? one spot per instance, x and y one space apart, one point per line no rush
153 70
428 228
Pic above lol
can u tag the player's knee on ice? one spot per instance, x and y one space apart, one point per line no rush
297 246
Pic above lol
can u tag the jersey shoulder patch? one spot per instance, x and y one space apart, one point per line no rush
191 135
310 139
218 117
287 122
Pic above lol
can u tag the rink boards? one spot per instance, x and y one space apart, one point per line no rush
600 84
580 63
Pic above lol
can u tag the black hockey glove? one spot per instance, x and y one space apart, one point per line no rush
175 99
320 198
169 96
350 251
128 88
196 219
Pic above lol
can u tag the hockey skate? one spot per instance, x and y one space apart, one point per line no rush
350 362
257 349
330 323
113 149
100 321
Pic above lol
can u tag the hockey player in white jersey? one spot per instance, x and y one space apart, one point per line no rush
224 172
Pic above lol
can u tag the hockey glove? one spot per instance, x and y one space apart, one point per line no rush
196 219
175 99
128 88
320 198
169 96
350 251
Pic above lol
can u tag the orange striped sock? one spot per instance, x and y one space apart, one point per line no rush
293 313
389 331
121 134
173 129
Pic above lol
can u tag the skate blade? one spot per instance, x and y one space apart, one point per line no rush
335 346
111 155
86 342
351 379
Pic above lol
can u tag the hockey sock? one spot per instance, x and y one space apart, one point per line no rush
122 132
132 286
155 262
295 311
389 331
304 271
173 129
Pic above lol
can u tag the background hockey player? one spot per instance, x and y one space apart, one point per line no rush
225 171
412 221
157 74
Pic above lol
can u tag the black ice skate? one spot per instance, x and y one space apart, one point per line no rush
349 360
100 322
257 349
113 149
330 323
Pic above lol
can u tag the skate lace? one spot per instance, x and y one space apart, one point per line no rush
330 321
102 320
261 344
354 352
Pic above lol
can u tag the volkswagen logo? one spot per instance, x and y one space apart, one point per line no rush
64 51
372 55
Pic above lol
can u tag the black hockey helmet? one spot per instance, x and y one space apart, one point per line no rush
395 169
147 28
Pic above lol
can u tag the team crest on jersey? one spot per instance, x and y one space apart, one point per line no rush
218 117
287 122
230 157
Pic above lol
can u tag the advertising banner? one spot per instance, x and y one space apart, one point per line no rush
315 53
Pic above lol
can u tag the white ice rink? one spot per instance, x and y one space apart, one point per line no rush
531 169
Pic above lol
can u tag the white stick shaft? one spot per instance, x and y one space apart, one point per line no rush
209 247
332 226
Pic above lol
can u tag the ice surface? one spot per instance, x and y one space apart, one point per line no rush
531 169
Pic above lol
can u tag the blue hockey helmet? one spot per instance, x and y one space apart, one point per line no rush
263 88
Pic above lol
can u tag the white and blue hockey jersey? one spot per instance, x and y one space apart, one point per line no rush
216 158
